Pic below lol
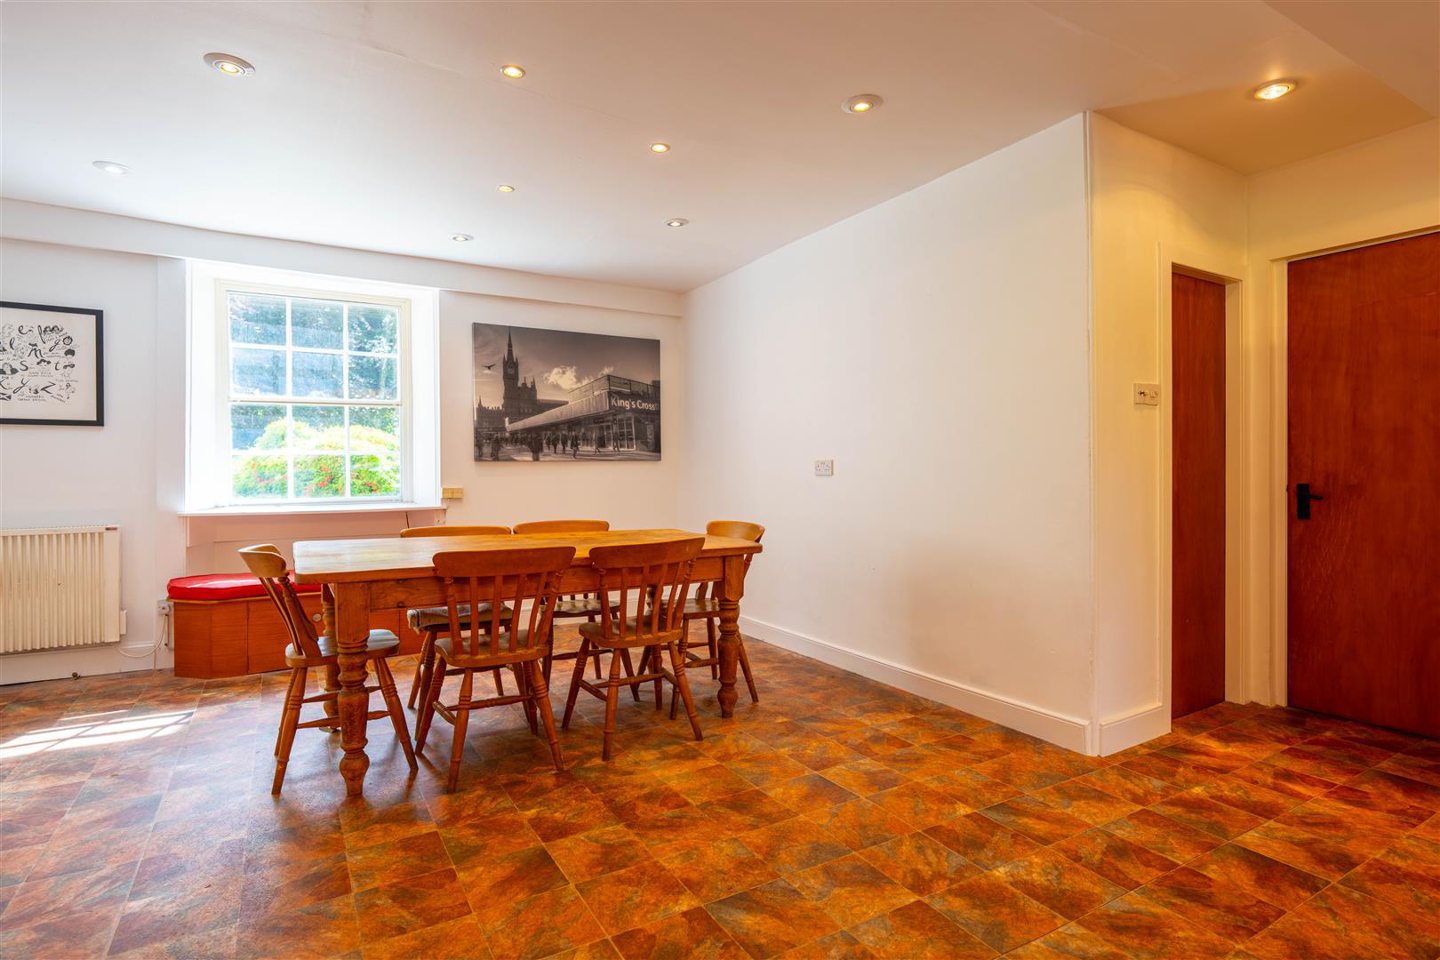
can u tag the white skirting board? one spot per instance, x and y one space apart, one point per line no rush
1125 730
1068 732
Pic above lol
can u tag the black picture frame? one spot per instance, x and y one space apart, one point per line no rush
99 318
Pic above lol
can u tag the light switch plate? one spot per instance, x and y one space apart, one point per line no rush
824 468
1147 394
452 493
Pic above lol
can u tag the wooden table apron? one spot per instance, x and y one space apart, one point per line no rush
385 574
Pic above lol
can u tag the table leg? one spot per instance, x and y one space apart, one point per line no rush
728 589
332 673
352 631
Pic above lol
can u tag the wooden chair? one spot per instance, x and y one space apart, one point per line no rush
573 606
525 580
633 574
307 651
429 621
704 605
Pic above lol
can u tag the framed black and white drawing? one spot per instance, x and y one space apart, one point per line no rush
560 395
52 365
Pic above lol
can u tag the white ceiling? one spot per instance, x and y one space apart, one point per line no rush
386 126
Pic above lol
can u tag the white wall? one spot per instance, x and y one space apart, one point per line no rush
936 347
628 494
67 476
131 471
1152 205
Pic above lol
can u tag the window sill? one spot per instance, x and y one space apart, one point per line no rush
305 509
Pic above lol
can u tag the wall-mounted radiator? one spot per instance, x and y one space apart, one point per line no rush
59 588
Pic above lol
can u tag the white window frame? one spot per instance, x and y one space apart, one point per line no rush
209 455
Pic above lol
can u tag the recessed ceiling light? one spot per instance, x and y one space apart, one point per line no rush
658 147
505 188
461 237
512 71
229 64
111 167
863 103
676 222
1273 90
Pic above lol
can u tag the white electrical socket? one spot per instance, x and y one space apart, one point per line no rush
452 493
1147 394
824 468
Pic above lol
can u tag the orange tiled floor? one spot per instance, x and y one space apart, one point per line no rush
839 818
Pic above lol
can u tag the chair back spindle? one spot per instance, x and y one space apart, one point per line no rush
631 575
525 580
267 563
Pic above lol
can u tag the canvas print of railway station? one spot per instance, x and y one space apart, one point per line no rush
559 395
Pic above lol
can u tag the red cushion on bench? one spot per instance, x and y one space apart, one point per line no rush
224 586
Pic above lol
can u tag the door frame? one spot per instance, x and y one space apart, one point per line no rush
1229 272
1280 456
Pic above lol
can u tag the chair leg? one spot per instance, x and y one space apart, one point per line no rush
523 685
289 720
422 666
712 641
462 720
745 667
499 682
654 661
644 659
386 680
540 693
575 678
612 696
284 706
428 701
683 685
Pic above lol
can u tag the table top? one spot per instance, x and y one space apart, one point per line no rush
395 558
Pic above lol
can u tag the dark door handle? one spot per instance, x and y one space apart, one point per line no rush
1303 498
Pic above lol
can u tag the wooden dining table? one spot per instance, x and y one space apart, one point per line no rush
398 573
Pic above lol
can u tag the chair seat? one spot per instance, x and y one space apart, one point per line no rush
485 655
438 618
381 643
595 633
579 607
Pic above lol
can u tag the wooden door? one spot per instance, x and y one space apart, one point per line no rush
1197 589
1364 434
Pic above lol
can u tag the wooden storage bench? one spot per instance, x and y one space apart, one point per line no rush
225 626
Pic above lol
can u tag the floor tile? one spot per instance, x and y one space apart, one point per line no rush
850 890
715 869
1217 905
983 841
594 853
635 896
1163 835
1123 862
409 905
919 863
772 918
541 926
1146 931
795 844
1258 875
994 912
692 934
1342 923
918 931
1057 882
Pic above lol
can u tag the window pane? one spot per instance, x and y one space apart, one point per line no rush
315 374
257 318
318 427
320 476
317 323
256 426
373 475
374 430
374 329
262 476
257 372
373 378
